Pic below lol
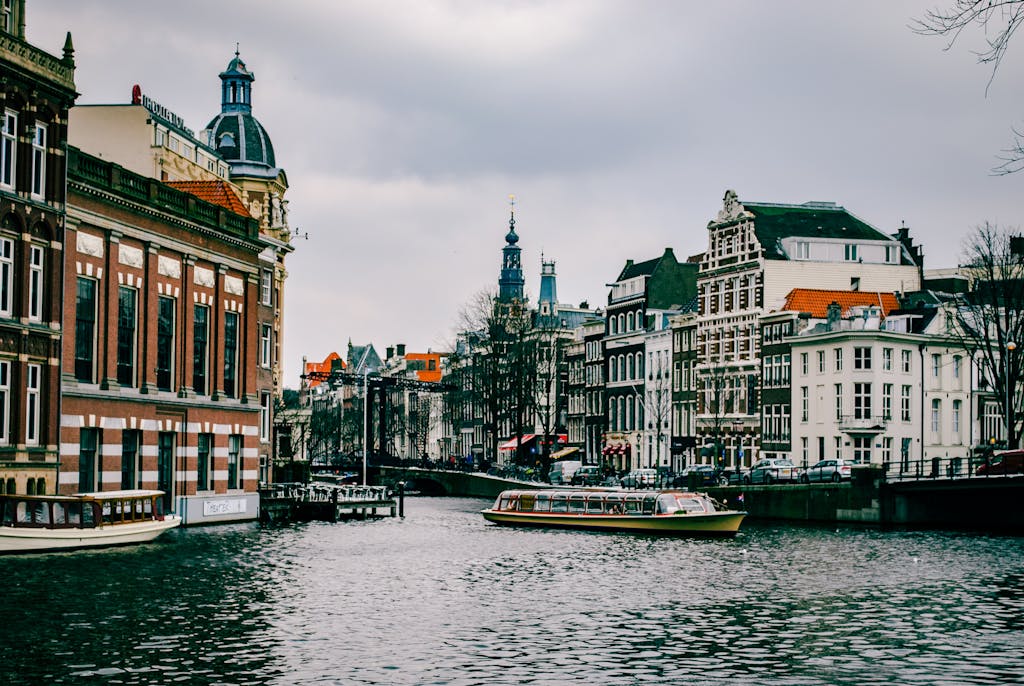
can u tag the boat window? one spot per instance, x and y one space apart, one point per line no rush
139 512
7 507
559 504
90 515
526 502
632 505
73 513
667 504
543 503
147 508
595 504
649 501
690 504
576 504
105 508
60 517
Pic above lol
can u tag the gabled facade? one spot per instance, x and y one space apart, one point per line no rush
36 90
757 253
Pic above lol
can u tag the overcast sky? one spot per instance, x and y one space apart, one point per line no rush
404 126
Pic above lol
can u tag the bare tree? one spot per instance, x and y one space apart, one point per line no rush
658 404
998 20
717 399
548 367
989 322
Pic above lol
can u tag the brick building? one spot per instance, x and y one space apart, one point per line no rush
161 357
36 89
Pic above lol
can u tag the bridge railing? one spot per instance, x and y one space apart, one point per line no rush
974 467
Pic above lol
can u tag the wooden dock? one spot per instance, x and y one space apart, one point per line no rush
327 502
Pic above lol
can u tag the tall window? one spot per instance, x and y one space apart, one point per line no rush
164 343
6 276
887 401
130 458
234 451
957 407
230 354
85 329
33 383
804 403
936 365
200 348
862 449
265 290
936 415
5 402
265 417
803 250
838 359
905 403
862 358
887 359
88 440
39 161
35 284
127 323
821 361
803 363
850 252
862 400
203 482
905 355
265 346
839 401
8 148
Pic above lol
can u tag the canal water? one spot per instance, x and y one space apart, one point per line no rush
441 597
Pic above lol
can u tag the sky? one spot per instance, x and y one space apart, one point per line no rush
404 126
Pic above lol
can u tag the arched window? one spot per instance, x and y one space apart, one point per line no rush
639 412
629 321
30 487
632 368
40 486
622 323
640 319
611 326
10 486
622 368
640 365
613 371
613 404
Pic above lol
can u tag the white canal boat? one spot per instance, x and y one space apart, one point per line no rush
38 523
678 513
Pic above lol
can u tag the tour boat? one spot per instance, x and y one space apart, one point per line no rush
660 512
38 523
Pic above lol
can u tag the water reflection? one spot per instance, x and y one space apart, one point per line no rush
443 598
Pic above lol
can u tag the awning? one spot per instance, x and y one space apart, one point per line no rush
512 444
617 449
564 452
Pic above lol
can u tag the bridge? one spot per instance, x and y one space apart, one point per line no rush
450 482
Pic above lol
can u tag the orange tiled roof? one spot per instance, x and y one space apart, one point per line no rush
427 374
217 192
815 302
324 367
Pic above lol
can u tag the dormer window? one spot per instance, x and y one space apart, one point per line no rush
803 250
226 141
850 252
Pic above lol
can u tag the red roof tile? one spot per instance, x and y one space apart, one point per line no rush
427 374
322 367
217 192
815 302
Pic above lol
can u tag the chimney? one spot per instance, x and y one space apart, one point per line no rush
388 352
400 349
834 312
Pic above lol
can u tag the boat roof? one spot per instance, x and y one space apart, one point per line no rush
597 493
117 495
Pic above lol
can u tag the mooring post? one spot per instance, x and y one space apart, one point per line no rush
401 499
334 505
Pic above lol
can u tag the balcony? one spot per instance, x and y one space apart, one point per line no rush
861 424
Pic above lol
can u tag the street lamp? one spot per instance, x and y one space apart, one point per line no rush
366 419
1010 347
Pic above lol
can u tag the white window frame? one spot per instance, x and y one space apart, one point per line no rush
6 277
38 181
265 340
887 359
266 290
35 283
265 417
9 149
907 361
33 378
5 402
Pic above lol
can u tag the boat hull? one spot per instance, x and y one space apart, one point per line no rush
705 524
37 540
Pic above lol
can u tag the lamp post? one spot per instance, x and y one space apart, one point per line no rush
366 419
1010 347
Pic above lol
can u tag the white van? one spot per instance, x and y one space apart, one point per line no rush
561 472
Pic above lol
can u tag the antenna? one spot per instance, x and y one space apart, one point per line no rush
299 234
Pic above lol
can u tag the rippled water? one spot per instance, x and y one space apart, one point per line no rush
443 598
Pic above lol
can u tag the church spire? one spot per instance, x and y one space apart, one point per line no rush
511 282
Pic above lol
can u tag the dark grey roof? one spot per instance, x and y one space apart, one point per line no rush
241 139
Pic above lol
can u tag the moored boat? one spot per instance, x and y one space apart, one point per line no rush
39 523
663 512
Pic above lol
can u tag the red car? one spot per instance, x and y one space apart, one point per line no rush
1010 462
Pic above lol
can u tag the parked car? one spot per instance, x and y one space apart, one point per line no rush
640 478
587 476
1009 462
702 475
827 470
772 470
562 472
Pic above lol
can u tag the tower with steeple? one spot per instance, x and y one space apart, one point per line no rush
511 282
